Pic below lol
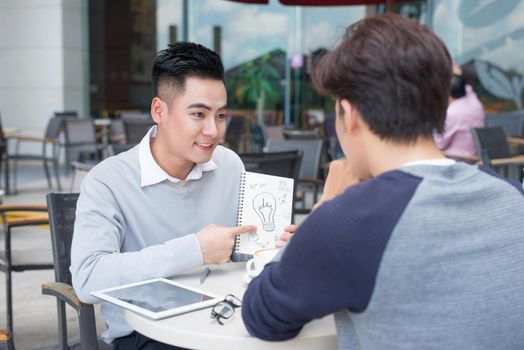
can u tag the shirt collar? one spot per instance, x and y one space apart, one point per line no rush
151 173
435 161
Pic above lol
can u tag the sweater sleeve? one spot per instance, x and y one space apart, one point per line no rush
96 258
332 261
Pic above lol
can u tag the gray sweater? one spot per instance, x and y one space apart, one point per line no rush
127 232
424 257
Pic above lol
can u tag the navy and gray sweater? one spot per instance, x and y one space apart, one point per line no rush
421 257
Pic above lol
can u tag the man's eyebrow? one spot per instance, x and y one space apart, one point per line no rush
199 105
203 105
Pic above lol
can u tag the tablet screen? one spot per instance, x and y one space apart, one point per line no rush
158 296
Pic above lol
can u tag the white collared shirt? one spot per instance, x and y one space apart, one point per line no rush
151 173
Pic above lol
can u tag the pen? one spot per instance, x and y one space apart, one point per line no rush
206 272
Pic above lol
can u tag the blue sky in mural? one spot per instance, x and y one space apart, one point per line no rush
251 30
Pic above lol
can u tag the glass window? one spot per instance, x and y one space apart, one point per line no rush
487 39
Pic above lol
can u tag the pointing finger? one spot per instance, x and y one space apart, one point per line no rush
243 229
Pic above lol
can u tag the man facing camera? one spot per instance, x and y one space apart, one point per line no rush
168 204
424 254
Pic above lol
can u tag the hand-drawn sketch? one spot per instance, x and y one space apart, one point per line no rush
265 206
253 236
282 199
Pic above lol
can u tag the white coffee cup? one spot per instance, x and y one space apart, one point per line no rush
260 258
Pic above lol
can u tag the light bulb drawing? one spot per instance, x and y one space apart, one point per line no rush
265 206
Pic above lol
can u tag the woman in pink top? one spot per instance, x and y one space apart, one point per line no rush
464 112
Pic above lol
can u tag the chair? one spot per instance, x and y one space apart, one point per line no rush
512 122
301 134
235 133
285 164
50 151
80 171
66 114
308 178
62 207
136 129
3 154
486 159
80 139
5 338
15 260
493 139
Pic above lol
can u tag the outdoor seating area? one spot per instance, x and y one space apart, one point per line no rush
261 174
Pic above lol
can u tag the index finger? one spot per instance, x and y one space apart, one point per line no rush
235 231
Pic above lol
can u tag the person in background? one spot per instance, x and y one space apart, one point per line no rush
464 112
426 253
168 204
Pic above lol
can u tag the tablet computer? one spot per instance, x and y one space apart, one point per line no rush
158 298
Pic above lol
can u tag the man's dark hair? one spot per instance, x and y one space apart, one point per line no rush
181 60
395 72
457 86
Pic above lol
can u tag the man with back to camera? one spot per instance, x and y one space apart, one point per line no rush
426 253
147 212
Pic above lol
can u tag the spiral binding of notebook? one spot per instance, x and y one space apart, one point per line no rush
241 195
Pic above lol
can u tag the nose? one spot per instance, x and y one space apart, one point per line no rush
210 127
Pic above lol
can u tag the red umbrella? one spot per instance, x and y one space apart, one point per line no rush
389 3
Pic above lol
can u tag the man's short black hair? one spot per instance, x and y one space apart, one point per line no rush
395 72
181 60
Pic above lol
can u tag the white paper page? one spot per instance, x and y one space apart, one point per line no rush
266 202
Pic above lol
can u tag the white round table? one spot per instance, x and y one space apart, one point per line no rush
196 330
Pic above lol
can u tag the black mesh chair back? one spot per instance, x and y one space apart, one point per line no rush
234 133
311 154
485 158
62 208
309 174
80 139
492 139
301 134
53 128
66 114
3 145
136 129
285 164
511 122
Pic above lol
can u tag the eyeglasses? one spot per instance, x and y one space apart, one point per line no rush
226 308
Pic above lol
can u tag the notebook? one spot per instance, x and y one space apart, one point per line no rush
267 202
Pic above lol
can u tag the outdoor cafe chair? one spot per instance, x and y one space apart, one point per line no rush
80 141
13 260
286 164
62 207
135 129
7 339
48 156
309 174
494 140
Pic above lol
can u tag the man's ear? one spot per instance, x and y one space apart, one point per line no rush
158 109
351 117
